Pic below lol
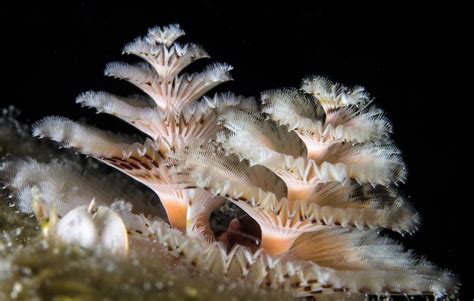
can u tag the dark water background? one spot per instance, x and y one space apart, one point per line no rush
405 56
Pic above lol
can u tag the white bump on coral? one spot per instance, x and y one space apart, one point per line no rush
93 228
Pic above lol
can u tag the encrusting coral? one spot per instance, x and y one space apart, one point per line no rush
314 168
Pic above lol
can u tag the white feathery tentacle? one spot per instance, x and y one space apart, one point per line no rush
281 221
264 143
89 140
136 110
292 108
159 76
303 278
174 94
166 35
334 96
63 186
143 162
167 61
355 124
349 249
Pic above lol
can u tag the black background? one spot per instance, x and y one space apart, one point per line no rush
403 55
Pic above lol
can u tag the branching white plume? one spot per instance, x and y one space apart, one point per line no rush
314 168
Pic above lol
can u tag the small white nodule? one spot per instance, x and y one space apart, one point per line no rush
94 228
